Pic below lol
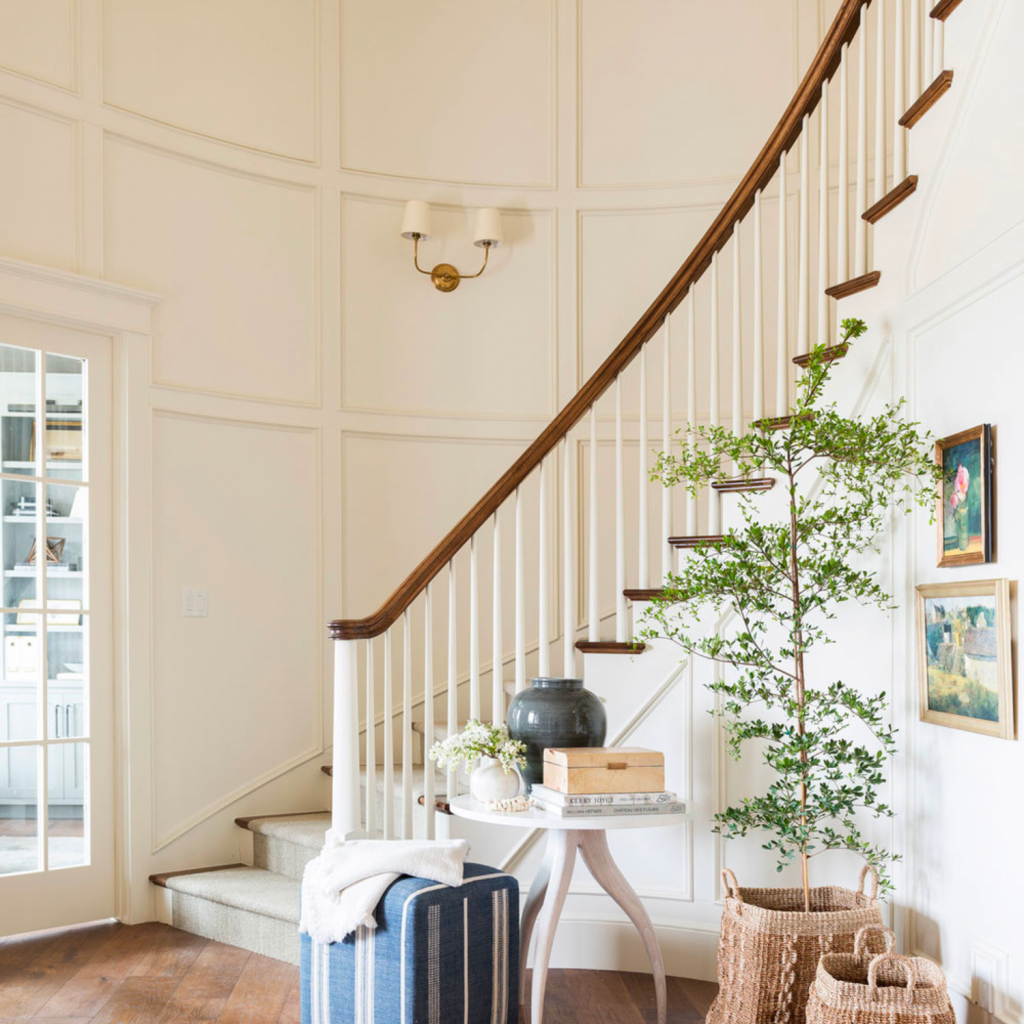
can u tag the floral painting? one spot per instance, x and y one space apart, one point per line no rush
965 513
964 653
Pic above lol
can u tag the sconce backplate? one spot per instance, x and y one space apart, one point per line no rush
445 277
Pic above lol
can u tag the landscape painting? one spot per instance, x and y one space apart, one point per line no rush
964 515
964 656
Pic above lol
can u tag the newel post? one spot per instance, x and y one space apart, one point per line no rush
345 803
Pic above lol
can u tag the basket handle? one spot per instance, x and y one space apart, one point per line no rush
890 938
874 882
908 969
730 885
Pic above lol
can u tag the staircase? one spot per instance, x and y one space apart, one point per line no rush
820 257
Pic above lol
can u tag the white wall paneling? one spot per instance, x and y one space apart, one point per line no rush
208 68
467 92
39 40
236 256
258 686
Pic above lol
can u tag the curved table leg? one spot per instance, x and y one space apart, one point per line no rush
562 844
598 858
538 888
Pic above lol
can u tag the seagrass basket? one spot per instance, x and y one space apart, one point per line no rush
769 946
857 988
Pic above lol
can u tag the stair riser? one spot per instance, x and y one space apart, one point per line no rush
266 935
280 856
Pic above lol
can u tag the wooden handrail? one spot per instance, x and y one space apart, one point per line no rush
786 132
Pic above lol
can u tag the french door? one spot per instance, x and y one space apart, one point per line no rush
56 693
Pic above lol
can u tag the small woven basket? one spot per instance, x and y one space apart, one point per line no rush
883 989
769 946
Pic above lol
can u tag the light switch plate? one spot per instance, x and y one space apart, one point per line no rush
193 604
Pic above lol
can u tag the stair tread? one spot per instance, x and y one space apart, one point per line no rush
610 647
891 199
305 830
854 285
927 99
944 8
740 483
829 355
244 888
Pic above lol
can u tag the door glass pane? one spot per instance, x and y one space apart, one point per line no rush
65 425
19 382
22 680
65 537
19 825
66 825
20 548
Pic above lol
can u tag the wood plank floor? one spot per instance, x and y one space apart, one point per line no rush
154 974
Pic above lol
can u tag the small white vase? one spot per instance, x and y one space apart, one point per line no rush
488 781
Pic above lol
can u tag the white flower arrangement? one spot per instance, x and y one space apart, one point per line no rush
479 740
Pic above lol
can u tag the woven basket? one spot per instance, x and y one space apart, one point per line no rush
769 946
885 989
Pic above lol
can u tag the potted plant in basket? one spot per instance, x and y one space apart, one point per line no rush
491 757
783 581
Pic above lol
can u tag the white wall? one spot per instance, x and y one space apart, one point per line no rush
316 415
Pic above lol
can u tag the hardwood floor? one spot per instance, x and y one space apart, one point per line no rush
153 974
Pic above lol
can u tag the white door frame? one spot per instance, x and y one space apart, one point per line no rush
125 315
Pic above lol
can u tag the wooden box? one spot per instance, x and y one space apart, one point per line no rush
604 770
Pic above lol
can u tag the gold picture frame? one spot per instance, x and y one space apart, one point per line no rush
965 672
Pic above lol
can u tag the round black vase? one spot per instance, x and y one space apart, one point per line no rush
554 713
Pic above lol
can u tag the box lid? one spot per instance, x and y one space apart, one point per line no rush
604 757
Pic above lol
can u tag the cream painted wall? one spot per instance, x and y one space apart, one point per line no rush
314 414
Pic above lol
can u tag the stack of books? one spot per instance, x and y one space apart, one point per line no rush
593 805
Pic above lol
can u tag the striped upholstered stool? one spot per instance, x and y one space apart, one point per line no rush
439 955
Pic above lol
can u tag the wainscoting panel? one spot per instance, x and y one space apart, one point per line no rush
242 71
37 39
235 257
253 664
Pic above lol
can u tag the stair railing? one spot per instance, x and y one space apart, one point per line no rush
912 40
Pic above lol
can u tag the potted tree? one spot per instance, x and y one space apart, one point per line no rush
784 580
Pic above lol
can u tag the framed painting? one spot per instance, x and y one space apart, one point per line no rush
964 670
964 515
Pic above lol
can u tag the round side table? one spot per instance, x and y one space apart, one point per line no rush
566 836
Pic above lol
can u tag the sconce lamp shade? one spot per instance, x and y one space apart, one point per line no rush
488 228
416 220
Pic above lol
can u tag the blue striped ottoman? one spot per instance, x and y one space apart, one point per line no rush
439 955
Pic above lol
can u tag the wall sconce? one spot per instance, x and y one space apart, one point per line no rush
416 225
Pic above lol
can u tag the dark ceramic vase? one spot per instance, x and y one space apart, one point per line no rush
554 713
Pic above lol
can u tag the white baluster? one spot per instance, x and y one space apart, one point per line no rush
429 796
714 418
452 710
497 655
928 61
938 46
782 341
371 743
822 336
691 397
758 398
737 341
520 598
860 230
474 631
407 726
643 544
880 100
620 521
389 743
543 631
345 809
666 441
803 295
899 140
843 206
914 50
568 563
593 611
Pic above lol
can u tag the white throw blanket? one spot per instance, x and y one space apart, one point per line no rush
343 884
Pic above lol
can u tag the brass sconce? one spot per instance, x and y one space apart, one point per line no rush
416 225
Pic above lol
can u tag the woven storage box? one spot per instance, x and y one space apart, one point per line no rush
857 988
439 954
769 947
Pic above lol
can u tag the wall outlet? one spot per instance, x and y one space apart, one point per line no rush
193 604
